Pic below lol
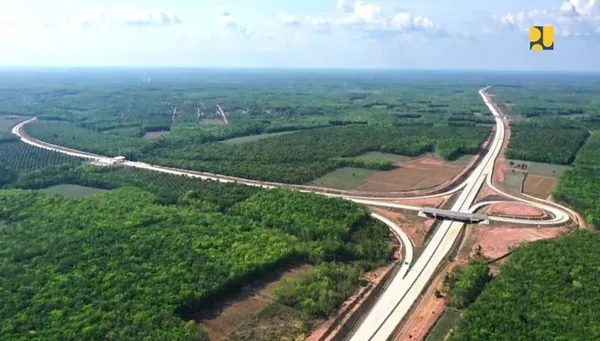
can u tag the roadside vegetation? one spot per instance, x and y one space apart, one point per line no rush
547 290
579 186
165 262
534 142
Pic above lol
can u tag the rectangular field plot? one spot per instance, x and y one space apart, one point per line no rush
73 191
9 121
539 186
539 168
384 156
251 138
344 178
513 180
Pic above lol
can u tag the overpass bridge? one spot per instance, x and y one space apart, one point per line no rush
465 217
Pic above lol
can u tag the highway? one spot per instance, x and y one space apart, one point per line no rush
394 304
404 289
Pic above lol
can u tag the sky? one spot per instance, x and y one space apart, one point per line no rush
386 34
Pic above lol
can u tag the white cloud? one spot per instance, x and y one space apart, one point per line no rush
225 19
318 24
571 18
288 19
362 13
121 16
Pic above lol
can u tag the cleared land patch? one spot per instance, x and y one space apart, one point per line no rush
384 156
513 180
514 209
73 191
497 241
421 173
153 135
9 121
275 322
221 322
251 138
539 186
540 168
344 178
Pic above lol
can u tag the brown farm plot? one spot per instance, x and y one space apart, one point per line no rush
539 186
423 172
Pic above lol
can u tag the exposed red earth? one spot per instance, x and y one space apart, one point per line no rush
498 240
514 209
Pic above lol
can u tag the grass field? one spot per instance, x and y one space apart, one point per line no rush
344 178
461 161
251 138
7 122
513 181
539 168
443 325
275 322
73 191
385 156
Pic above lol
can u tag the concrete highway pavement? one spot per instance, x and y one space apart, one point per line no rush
407 244
405 288
394 304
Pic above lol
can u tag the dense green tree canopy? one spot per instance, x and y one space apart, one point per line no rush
120 266
548 290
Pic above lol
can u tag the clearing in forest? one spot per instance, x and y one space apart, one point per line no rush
541 178
384 156
153 135
251 138
346 178
9 121
421 173
73 191
496 241
242 312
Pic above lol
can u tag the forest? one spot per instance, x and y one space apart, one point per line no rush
541 142
465 284
123 266
547 290
292 158
579 185
110 113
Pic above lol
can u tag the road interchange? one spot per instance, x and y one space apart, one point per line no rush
405 288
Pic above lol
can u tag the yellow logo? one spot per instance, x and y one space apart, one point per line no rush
541 38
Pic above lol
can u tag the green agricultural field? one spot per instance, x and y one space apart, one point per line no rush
73 191
539 168
252 138
346 178
384 156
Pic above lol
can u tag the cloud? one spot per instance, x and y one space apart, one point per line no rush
570 18
318 24
119 16
225 19
344 5
371 20
362 13
288 19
